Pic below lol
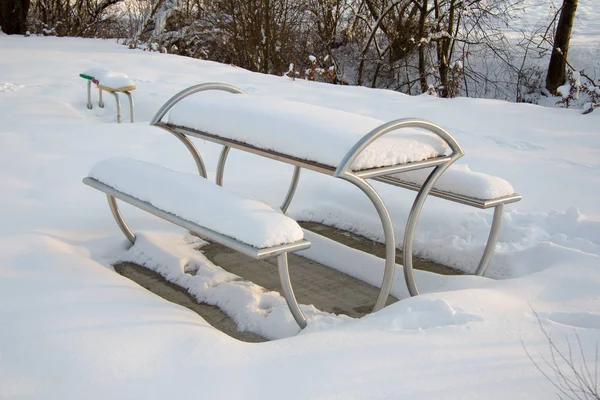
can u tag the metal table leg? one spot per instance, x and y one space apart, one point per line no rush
491 242
89 95
288 292
130 97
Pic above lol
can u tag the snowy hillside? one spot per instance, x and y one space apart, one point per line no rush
72 328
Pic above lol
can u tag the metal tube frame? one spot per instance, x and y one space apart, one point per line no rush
119 117
100 101
156 120
181 136
130 97
288 292
89 94
492 240
280 251
357 178
344 171
411 226
291 189
221 165
114 207
388 232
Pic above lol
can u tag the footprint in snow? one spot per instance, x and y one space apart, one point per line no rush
10 87
517 145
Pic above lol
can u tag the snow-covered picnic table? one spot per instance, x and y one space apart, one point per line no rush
408 153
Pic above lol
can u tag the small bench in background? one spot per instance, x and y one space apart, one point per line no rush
112 82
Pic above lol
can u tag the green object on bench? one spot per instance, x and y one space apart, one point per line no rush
112 82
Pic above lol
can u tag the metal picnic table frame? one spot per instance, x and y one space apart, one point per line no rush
357 178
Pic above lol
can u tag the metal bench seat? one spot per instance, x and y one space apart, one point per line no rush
258 216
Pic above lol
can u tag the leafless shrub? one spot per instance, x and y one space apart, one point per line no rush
566 368
579 90
86 18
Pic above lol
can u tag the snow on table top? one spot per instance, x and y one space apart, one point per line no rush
302 130
198 200
459 179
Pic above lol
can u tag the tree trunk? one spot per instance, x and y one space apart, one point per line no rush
13 16
557 74
422 61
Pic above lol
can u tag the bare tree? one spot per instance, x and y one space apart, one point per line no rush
87 18
13 16
557 73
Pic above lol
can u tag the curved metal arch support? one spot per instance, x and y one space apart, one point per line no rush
291 190
288 292
193 151
188 92
344 171
492 240
114 209
350 157
221 165
388 232
182 95
411 224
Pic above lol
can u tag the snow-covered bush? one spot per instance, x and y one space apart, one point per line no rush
322 71
86 18
579 91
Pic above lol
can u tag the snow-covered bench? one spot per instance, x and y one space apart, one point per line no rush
408 153
112 82
210 211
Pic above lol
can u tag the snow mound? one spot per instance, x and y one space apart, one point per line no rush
418 313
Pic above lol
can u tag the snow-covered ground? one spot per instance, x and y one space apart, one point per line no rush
72 328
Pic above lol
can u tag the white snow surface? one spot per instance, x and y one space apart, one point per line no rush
459 179
199 200
71 328
313 133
